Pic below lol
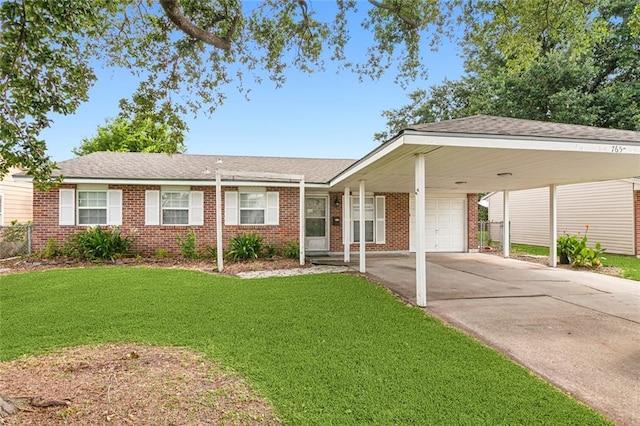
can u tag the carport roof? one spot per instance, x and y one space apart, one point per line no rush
484 153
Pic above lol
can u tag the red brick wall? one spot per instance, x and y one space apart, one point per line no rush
472 221
396 224
151 238
637 216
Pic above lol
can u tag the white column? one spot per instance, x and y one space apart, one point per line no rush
302 220
346 224
421 231
363 243
506 231
553 226
219 249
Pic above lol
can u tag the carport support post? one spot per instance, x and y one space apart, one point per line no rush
363 243
302 222
346 224
219 250
553 226
421 231
506 231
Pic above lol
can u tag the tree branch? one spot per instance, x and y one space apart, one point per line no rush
175 15
396 10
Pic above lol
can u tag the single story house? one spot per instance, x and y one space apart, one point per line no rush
16 199
416 192
610 208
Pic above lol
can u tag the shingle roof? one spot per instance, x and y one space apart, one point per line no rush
134 165
502 126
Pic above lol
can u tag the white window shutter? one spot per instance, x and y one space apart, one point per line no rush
114 207
273 209
152 208
66 207
196 208
380 219
230 208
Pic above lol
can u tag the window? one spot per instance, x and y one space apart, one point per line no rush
252 208
175 208
374 219
92 207
369 219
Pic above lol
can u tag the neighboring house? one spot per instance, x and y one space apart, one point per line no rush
329 205
16 199
610 208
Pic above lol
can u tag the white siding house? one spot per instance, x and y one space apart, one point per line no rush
16 200
607 207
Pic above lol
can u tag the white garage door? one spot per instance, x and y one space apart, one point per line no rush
445 219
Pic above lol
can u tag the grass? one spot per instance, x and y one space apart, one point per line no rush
629 265
324 349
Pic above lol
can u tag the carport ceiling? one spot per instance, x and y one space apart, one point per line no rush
477 162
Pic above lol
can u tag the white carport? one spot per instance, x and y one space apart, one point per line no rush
484 154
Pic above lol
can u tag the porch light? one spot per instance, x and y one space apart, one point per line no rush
336 202
505 174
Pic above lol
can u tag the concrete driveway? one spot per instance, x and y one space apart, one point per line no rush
579 330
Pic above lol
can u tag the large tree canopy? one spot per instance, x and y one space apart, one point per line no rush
138 135
598 85
187 52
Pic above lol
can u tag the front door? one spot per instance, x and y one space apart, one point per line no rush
316 223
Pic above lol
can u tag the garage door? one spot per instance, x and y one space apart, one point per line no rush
445 219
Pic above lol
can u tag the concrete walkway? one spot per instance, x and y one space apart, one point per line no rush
579 330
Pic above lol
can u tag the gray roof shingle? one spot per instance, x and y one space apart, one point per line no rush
135 165
503 126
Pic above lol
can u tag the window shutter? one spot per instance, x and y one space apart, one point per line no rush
114 207
380 219
152 208
273 209
67 210
230 208
196 209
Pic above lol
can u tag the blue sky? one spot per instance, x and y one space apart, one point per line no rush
323 114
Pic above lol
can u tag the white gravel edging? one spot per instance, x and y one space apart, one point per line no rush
318 269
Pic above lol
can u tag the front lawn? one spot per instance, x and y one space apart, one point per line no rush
629 266
324 349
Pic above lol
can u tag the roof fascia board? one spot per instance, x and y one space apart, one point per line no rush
159 182
368 159
412 137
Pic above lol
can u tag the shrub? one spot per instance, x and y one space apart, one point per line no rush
291 250
16 232
51 249
577 252
188 245
244 247
210 252
269 251
96 243
162 253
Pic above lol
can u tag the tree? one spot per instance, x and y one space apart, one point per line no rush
142 135
599 86
188 52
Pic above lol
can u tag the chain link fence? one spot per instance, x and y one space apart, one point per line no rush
15 240
490 235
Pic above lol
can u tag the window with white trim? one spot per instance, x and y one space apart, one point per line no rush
374 219
175 207
252 208
92 207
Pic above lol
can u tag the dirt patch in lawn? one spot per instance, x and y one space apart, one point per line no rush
544 260
130 385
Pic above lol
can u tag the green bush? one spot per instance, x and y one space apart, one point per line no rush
51 249
187 245
210 252
96 243
269 251
16 232
245 247
291 250
577 251
162 253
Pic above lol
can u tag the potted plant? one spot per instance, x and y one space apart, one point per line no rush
566 245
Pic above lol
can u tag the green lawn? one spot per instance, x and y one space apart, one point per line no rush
324 349
628 265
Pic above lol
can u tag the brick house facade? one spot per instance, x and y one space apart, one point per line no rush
151 238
